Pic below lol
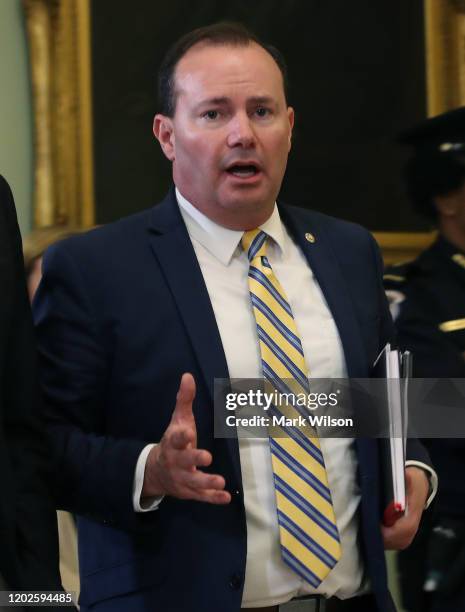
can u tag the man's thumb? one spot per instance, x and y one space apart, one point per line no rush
185 397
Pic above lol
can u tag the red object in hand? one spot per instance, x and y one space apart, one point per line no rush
392 514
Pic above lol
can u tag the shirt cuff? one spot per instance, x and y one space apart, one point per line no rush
432 477
149 503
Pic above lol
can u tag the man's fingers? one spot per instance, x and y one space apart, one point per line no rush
210 496
400 535
184 398
199 481
182 438
193 457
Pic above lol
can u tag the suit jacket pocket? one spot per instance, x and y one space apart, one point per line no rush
134 575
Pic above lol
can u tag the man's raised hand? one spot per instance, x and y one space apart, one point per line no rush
172 465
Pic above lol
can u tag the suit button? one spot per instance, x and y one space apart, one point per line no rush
235 582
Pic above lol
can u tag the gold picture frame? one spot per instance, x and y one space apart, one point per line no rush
60 52
60 64
445 83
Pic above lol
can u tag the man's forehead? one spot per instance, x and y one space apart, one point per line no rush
200 56
207 64
219 48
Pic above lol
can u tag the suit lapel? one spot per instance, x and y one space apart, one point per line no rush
325 266
173 249
326 269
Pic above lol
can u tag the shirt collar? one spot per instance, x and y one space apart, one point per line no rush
220 241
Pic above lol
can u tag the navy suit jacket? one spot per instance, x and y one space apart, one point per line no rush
121 313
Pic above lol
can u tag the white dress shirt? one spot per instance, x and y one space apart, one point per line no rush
224 265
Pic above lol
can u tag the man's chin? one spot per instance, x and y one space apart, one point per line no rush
247 200
245 213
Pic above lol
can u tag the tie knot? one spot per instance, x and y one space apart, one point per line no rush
254 243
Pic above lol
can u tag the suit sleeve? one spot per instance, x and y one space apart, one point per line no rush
94 471
35 517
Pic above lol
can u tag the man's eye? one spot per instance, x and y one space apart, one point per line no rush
211 114
262 112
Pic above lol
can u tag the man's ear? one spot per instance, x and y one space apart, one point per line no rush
164 133
291 117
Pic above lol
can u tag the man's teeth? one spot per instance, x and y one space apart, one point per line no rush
243 171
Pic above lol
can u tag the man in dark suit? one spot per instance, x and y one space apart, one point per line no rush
28 537
128 311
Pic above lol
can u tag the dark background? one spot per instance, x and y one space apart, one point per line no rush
357 74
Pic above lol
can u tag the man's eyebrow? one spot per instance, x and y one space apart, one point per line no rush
213 101
261 100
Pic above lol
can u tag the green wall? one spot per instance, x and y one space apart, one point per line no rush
16 154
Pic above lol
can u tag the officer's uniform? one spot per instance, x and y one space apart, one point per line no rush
428 301
427 298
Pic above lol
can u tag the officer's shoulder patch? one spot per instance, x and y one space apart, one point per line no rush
396 278
398 273
459 259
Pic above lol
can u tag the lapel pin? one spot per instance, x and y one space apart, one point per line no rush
310 237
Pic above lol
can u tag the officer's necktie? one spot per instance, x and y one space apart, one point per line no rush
309 536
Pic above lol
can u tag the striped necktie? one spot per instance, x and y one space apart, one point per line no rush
309 537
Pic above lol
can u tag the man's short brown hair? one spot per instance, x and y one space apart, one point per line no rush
221 33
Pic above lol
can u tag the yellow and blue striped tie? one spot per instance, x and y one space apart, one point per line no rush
309 536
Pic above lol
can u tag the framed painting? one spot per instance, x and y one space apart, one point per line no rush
358 78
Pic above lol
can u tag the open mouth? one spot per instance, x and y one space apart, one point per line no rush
243 170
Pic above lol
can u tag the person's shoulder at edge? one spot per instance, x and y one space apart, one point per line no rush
4 187
104 238
9 222
6 197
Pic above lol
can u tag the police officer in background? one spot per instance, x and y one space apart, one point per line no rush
427 297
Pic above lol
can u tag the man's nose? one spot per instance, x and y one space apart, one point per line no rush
241 132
